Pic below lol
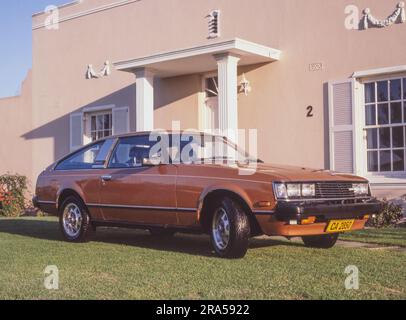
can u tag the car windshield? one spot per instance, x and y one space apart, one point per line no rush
199 148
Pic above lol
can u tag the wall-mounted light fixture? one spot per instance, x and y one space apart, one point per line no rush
245 85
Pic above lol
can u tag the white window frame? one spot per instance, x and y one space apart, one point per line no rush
91 111
376 178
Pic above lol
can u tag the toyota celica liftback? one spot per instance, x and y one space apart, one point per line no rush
126 181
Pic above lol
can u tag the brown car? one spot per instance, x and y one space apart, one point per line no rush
166 185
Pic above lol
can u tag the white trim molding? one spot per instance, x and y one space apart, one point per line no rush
85 12
377 180
379 72
211 49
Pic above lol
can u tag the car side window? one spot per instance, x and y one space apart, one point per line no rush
83 159
130 152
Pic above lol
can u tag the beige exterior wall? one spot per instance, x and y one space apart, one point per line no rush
15 115
306 32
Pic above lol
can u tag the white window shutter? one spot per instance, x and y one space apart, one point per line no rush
341 118
121 120
76 131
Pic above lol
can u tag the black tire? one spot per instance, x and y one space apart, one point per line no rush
239 229
325 241
162 233
85 231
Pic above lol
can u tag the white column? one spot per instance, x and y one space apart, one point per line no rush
144 100
228 90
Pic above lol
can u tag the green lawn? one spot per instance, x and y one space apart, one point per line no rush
127 264
390 237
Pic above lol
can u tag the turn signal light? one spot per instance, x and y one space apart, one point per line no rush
309 220
366 217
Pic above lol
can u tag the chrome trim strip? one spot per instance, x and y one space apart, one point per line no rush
323 199
45 202
263 212
114 206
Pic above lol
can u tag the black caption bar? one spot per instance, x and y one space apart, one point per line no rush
177 310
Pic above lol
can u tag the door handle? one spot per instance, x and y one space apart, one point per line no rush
106 178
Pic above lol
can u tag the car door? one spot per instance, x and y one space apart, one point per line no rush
135 193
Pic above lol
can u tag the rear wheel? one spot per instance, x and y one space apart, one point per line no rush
74 220
325 241
230 230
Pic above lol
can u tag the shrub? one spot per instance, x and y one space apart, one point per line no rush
389 216
13 189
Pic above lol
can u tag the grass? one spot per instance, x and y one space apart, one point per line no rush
127 264
390 237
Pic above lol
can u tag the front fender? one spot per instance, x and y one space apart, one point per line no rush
223 187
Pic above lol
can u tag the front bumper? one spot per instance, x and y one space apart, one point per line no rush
287 211
287 217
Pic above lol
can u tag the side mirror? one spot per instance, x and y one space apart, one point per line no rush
151 162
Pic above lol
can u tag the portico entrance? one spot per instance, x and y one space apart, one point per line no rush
221 111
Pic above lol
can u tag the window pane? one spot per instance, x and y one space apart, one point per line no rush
372 161
396 112
372 138
370 92
404 111
382 89
93 121
212 87
384 138
81 160
383 114
404 88
106 122
385 161
99 125
370 115
131 151
397 137
398 160
395 89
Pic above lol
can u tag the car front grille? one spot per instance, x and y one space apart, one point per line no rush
334 190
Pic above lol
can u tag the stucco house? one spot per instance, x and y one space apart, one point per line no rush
323 82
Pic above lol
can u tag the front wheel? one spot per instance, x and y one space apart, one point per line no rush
325 241
74 220
230 230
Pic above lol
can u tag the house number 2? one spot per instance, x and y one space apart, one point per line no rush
309 112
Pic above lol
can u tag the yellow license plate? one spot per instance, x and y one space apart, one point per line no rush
340 225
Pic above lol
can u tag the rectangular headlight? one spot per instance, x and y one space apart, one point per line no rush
361 189
293 190
308 190
280 190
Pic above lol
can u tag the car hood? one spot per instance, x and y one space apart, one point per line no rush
292 173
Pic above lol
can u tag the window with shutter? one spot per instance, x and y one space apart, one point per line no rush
385 125
342 135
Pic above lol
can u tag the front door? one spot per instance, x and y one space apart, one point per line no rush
134 193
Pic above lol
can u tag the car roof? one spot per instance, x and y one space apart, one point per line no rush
158 131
